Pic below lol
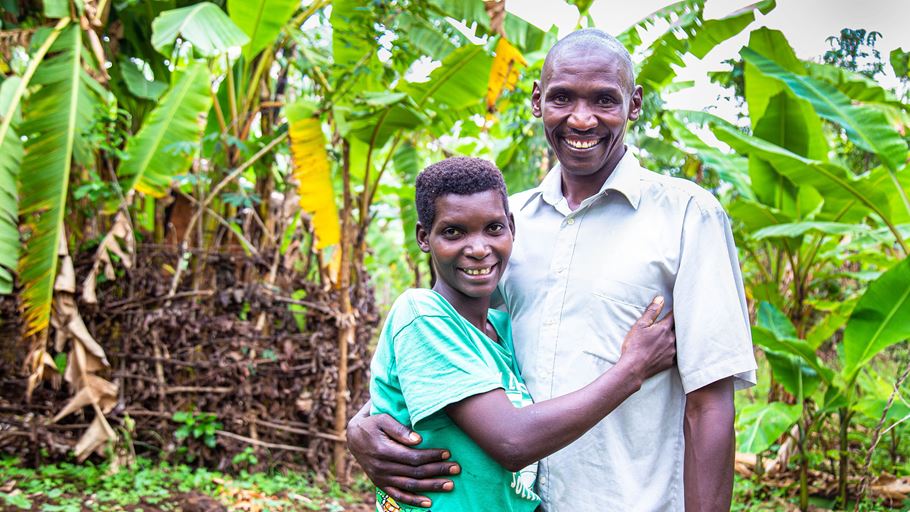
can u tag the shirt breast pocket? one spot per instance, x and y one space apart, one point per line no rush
613 308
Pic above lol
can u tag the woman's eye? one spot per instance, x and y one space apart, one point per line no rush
449 232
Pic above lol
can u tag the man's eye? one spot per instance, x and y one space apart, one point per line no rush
449 232
605 100
495 228
561 98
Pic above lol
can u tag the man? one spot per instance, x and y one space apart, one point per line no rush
595 242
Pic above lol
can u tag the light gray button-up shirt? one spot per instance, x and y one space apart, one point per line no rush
576 283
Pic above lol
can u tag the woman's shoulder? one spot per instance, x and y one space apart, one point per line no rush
415 303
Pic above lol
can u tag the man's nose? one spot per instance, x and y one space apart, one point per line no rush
582 118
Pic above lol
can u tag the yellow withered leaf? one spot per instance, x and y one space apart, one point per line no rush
504 71
311 170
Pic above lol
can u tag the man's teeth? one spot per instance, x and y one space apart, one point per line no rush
582 144
477 271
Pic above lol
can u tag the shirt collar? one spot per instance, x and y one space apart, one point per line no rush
624 179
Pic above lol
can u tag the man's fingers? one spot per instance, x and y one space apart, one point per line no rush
653 311
426 471
408 498
397 453
404 490
398 432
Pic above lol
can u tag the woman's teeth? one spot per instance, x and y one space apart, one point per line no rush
582 144
477 271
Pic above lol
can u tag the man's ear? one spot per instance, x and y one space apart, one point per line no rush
512 224
635 103
535 100
422 238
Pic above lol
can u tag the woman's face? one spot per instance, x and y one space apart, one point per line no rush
470 242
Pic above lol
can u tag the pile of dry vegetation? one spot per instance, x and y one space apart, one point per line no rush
248 363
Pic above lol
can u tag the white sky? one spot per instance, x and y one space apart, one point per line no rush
805 23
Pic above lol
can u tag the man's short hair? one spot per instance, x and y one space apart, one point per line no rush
459 175
593 39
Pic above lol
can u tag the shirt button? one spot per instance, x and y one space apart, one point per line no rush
570 221
543 480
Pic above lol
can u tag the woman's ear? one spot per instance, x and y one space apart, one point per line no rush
422 238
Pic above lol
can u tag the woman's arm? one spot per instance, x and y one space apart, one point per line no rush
543 428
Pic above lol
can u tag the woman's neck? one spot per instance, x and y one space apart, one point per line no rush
473 309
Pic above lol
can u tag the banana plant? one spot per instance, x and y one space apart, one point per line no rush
804 220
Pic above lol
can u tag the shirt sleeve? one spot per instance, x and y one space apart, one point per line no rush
439 364
713 338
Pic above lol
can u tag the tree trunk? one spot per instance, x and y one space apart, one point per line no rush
347 324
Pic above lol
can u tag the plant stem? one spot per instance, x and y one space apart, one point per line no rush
876 436
803 466
184 254
843 464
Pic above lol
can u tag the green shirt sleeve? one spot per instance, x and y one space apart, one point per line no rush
439 364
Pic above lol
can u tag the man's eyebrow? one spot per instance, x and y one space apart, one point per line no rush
556 89
600 91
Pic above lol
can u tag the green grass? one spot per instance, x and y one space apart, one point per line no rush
148 485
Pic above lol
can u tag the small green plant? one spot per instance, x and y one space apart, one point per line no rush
246 459
198 425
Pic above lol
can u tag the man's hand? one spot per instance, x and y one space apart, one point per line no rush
382 446
650 346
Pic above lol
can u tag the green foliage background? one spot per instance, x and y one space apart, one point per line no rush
112 106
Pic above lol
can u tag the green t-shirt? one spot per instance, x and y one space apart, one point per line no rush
428 357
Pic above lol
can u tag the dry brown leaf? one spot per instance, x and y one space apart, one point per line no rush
496 10
891 487
36 361
66 275
122 230
98 433
94 390
744 464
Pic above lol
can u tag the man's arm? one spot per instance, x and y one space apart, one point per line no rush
708 430
383 447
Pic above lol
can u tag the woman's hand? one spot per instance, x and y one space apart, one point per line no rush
650 346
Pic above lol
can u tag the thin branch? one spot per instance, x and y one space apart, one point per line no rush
264 444
877 435
184 254
221 220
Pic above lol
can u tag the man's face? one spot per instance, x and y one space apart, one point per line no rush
585 101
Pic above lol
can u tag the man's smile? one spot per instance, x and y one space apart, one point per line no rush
582 144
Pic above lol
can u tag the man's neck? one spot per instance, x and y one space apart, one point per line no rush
578 188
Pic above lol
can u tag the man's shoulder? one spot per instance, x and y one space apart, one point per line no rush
677 191
518 200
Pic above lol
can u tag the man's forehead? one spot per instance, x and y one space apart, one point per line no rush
574 65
